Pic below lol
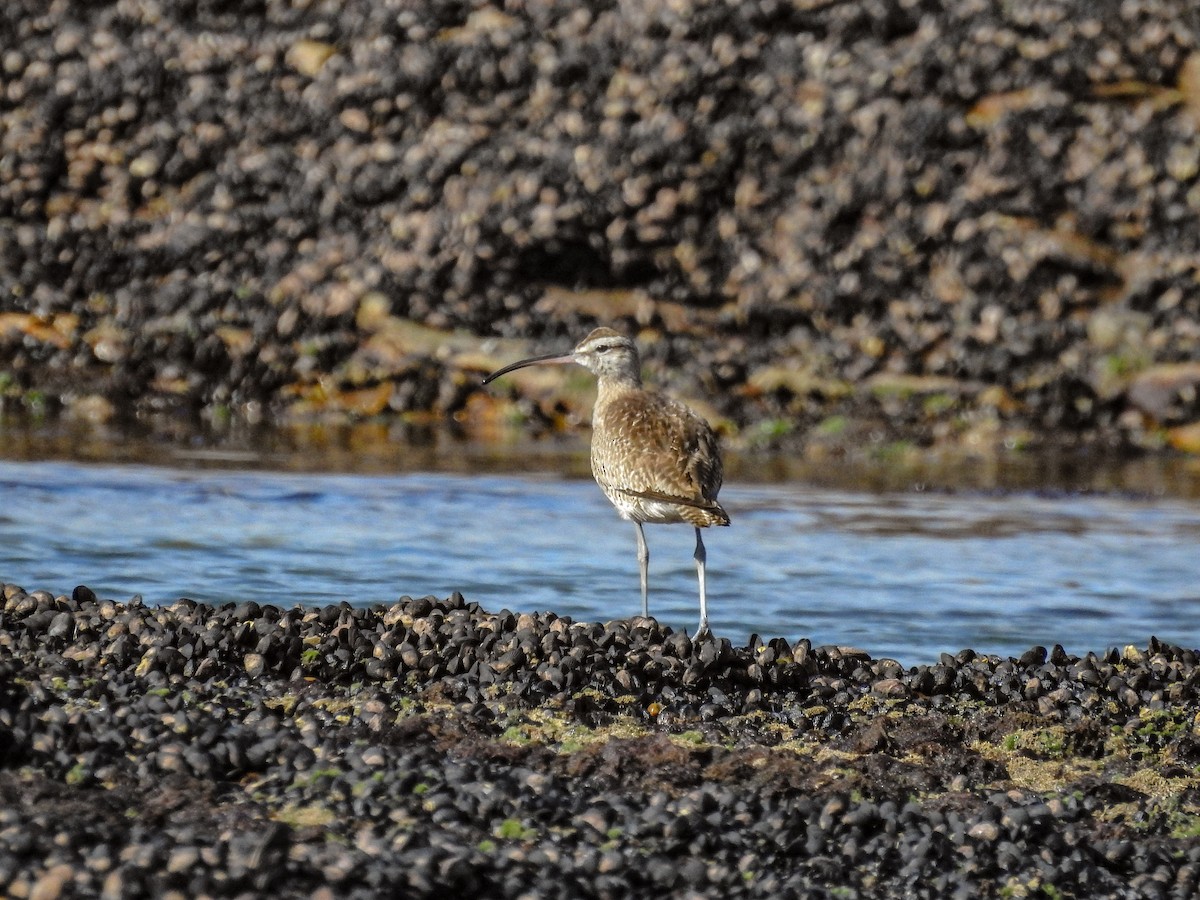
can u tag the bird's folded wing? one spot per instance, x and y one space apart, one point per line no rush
670 498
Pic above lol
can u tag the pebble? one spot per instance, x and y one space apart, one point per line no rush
310 775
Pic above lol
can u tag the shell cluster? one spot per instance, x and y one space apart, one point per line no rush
950 220
430 746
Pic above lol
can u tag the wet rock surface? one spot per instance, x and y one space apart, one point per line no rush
430 746
961 222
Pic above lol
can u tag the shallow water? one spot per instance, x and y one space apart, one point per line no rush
906 575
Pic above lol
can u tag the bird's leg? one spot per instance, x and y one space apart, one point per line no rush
701 558
644 568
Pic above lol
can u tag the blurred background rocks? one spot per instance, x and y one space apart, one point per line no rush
889 221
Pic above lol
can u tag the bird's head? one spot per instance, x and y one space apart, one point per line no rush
605 353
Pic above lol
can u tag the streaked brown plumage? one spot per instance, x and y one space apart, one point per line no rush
655 459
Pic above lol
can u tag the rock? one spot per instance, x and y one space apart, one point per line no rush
1168 393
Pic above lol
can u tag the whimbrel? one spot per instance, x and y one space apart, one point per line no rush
654 458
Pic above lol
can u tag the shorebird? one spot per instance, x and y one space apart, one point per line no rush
656 460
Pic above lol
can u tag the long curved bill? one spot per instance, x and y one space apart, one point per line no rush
552 359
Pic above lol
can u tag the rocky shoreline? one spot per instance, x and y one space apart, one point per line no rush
845 225
850 227
431 746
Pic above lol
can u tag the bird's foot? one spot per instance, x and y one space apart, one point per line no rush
702 633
